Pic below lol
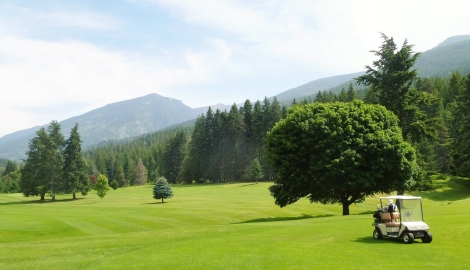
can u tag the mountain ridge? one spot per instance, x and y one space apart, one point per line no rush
153 112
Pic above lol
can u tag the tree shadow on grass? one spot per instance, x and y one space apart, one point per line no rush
159 202
40 202
247 185
270 219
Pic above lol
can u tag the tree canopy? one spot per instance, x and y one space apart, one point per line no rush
338 153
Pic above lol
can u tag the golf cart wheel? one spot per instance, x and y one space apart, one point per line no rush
408 238
427 237
377 234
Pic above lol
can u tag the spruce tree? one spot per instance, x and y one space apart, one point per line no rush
75 178
461 134
351 92
162 190
36 174
343 96
140 173
11 167
173 156
55 146
256 172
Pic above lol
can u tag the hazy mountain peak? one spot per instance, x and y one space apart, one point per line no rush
453 39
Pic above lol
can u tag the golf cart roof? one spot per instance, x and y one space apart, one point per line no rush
402 197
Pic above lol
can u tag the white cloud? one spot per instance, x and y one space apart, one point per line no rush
89 20
42 77
50 69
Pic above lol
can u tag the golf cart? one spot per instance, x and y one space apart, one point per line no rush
405 221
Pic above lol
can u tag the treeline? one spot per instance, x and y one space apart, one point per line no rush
228 146
120 162
222 145
9 176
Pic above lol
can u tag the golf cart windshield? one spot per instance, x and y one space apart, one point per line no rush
410 210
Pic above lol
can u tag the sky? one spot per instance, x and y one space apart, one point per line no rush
59 59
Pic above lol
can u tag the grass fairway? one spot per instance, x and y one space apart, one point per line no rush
226 226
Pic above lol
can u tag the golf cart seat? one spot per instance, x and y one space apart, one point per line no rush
387 219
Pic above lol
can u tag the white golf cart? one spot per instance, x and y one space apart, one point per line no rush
406 222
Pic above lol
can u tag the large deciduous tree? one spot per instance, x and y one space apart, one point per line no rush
338 153
75 178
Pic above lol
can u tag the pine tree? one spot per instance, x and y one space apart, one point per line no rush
39 174
121 177
55 145
351 92
460 133
74 177
162 190
173 156
140 173
256 172
343 96
11 167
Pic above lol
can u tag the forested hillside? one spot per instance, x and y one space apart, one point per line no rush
444 60
223 146
112 122
219 148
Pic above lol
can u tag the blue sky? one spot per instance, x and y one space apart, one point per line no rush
59 59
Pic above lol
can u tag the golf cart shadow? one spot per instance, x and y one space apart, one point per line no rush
370 240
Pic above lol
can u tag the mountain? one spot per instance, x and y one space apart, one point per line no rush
446 58
451 55
130 118
114 121
313 87
453 39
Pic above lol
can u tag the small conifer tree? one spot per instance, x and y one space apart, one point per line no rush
114 184
162 190
256 171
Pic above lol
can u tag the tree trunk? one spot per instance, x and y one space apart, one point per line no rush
346 203
42 197
74 197
162 200
345 209
53 198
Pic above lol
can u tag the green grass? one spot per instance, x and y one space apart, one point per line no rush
226 226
